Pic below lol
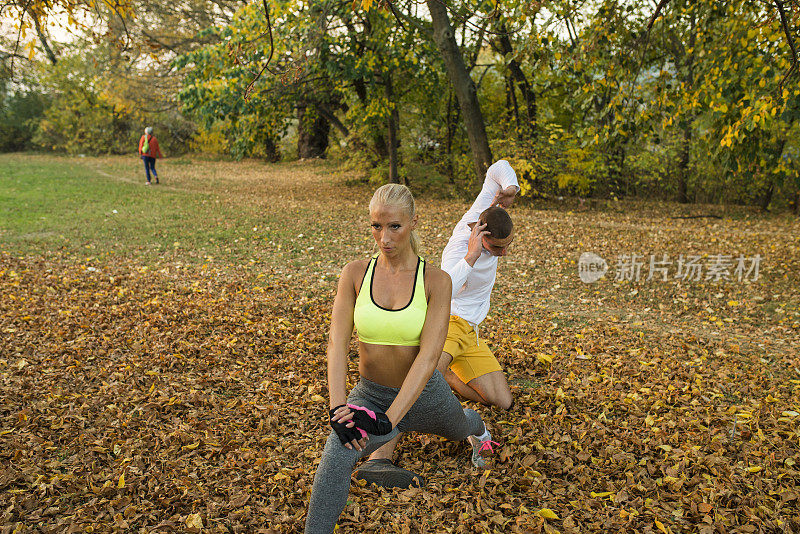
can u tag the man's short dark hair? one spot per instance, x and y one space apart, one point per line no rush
498 222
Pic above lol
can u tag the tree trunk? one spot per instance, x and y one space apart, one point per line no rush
272 154
450 124
312 134
505 48
463 85
394 123
770 189
378 141
767 196
683 166
333 119
616 159
511 104
797 204
687 57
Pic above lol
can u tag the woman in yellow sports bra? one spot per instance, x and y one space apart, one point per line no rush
400 307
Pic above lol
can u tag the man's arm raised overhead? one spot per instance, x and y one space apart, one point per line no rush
499 178
458 256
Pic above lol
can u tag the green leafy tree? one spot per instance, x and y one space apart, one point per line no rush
81 119
754 117
21 109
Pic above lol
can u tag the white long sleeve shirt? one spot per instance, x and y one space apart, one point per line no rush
472 285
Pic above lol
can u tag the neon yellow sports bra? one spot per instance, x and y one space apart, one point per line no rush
381 326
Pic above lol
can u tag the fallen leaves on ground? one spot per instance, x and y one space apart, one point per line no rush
191 397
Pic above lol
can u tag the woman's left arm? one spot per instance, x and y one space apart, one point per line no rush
431 342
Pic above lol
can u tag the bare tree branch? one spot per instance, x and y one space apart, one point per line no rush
4 54
249 90
19 33
396 16
42 37
659 7
478 45
785 24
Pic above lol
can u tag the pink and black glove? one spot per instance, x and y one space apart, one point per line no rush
372 422
346 435
366 421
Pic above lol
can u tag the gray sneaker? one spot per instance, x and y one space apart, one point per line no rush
385 474
479 448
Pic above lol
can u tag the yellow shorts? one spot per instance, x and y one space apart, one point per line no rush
471 357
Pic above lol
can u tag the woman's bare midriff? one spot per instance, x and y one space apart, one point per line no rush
386 365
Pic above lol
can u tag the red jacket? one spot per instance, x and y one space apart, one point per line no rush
154 151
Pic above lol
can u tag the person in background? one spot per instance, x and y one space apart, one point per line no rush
149 151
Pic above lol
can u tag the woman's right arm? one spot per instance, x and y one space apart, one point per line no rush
338 343
340 333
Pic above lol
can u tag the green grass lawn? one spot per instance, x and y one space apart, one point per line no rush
54 204
66 205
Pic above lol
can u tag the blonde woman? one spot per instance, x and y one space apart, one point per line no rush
400 307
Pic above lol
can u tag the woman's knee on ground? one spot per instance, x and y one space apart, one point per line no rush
501 399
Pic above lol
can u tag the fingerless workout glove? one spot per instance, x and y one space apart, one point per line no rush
366 421
375 423
346 435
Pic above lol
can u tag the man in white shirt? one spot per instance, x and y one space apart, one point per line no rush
470 258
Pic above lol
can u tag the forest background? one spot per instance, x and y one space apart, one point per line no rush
675 100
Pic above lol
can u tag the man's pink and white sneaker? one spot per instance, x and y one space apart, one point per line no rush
481 445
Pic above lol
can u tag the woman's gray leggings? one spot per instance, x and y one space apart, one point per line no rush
436 411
